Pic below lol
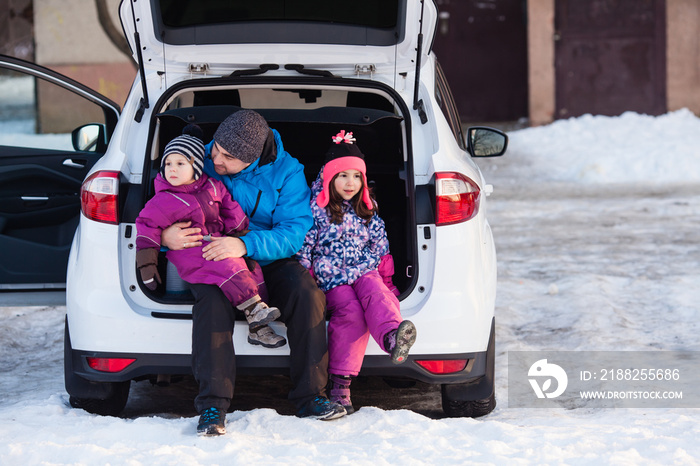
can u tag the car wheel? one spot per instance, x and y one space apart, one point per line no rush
470 408
111 406
476 398
103 398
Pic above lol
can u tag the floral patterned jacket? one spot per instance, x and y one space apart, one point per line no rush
340 254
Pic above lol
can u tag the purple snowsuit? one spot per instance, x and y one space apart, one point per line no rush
352 265
209 206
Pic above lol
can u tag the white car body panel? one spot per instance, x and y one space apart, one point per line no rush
226 58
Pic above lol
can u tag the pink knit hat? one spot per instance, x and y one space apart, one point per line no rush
343 155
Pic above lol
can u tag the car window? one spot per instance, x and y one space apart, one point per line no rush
443 95
36 113
368 13
362 22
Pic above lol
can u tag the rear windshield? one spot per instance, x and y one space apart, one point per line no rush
369 13
360 22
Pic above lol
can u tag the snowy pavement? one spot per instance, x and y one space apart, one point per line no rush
597 225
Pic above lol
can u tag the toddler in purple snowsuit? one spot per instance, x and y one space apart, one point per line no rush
347 251
184 193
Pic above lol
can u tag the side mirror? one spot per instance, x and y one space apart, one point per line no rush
90 138
486 142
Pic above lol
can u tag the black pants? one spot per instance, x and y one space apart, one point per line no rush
290 288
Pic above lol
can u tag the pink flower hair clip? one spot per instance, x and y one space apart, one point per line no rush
343 137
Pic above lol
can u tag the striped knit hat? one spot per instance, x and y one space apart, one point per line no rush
188 145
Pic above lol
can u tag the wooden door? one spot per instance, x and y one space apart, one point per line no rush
610 57
482 47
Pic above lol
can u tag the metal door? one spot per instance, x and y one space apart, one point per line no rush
482 47
610 57
41 171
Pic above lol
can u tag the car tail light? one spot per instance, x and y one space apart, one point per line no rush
457 198
99 196
109 364
443 366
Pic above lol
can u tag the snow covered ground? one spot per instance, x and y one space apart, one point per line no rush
597 225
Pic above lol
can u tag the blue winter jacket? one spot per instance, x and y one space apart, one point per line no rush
275 197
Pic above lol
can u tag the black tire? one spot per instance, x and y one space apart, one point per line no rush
474 399
103 398
111 406
471 408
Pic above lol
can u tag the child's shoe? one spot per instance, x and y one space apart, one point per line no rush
266 337
398 342
259 314
339 391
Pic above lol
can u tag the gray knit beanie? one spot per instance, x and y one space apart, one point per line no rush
243 135
188 145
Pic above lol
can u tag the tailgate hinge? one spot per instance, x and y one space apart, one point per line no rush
202 68
365 69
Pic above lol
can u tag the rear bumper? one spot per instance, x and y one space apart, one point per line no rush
479 365
179 364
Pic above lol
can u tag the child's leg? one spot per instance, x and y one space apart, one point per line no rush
239 285
265 335
339 391
347 331
398 342
260 282
381 308
231 275
347 342
383 317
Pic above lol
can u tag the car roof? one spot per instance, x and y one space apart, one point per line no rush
247 33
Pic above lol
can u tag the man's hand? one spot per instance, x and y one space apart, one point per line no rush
223 248
179 236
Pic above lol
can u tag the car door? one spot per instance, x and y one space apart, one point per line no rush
52 131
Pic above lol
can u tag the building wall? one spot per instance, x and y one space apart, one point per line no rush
683 55
540 36
16 32
682 58
70 40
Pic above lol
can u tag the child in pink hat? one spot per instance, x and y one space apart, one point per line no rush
347 251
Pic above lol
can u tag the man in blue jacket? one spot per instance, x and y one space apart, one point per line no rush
269 184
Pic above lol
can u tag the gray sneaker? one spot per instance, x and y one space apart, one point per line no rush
266 337
260 315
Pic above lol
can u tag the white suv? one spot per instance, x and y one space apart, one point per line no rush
310 69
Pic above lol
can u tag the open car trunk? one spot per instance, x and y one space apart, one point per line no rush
306 125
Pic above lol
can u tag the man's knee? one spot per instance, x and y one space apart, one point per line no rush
309 304
208 295
211 305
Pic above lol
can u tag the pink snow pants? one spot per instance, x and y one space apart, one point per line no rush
356 311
